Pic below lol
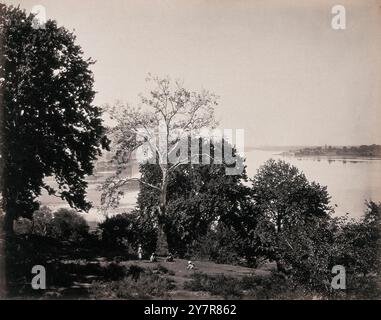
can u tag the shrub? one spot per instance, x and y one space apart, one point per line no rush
135 271
63 225
114 272
42 223
161 269
23 226
274 286
65 274
361 242
220 285
124 230
363 287
312 250
164 270
69 225
146 286
118 231
221 245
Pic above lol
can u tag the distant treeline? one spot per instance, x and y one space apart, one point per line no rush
373 150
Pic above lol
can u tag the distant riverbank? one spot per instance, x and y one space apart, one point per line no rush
346 158
342 152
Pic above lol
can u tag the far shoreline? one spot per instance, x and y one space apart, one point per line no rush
328 157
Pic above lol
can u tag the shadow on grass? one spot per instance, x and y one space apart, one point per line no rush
71 268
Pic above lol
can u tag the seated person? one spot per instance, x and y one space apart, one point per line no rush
169 258
191 266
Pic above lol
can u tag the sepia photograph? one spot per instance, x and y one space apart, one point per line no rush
170 150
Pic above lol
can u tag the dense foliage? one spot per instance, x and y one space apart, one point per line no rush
123 231
286 202
199 195
62 225
50 126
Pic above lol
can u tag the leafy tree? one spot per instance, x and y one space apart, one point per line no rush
49 124
170 112
63 225
285 200
199 196
354 244
221 244
309 253
42 222
132 229
360 242
69 225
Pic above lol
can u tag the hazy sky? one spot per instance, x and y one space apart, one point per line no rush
283 74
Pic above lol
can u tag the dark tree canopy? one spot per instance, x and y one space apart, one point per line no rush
285 202
199 195
50 126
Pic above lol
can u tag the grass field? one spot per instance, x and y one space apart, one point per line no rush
180 275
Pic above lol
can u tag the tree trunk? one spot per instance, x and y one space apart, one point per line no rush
280 266
3 286
2 113
162 239
8 224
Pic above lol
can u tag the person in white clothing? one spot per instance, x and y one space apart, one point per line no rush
140 252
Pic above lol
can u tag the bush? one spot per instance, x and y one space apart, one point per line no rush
69 225
146 286
124 230
360 242
63 225
363 287
221 245
23 226
42 222
312 250
135 271
164 270
220 285
114 272
274 286
118 231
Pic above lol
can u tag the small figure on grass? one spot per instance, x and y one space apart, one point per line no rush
140 252
153 257
169 258
191 266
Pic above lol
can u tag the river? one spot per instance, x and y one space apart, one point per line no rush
349 182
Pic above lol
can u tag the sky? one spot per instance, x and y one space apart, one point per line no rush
283 74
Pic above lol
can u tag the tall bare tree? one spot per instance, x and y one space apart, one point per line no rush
164 119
